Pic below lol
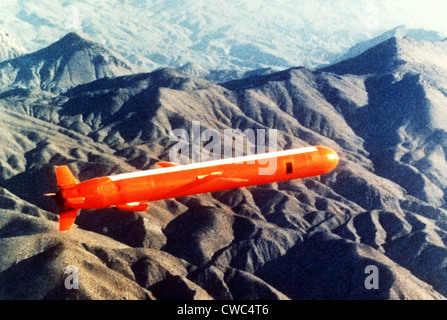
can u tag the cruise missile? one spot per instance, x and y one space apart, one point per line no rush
132 191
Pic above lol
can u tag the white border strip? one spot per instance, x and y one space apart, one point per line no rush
212 163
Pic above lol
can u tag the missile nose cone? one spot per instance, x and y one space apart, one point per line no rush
329 158
332 156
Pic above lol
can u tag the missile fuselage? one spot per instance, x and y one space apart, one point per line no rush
132 191
182 180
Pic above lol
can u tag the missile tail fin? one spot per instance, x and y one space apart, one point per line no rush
67 219
65 178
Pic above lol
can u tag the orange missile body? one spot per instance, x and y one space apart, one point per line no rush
131 191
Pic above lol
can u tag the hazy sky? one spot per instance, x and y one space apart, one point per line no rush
382 15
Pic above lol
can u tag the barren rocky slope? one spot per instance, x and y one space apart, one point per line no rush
304 239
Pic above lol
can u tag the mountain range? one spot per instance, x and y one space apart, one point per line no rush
235 35
78 103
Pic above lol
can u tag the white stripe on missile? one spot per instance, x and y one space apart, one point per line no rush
211 163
